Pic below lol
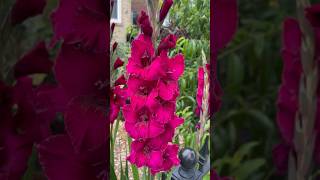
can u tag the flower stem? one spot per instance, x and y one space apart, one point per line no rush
204 113
153 11
300 159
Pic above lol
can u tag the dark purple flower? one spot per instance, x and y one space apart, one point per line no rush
83 76
288 93
280 155
82 22
61 162
166 5
22 10
35 61
225 22
15 151
81 72
23 122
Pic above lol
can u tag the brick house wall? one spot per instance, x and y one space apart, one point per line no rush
128 10
119 34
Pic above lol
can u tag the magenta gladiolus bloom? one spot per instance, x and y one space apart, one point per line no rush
152 89
166 5
144 23
173 67
167 159
141 151
36 61
22 10
200 90
139 87
142 53
165 109
168 133
141 121
83 22
217 92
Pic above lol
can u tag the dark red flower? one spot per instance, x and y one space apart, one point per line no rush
118 63
120 81
86 123
83 75
288 93
167 43
166 5
114 46
117 100
61 162
112 27
82 22
24 123
81 72
280 155
35 61
144 23
225 22
22 10
15 151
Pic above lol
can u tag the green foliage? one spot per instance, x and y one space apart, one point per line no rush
132 32
192 16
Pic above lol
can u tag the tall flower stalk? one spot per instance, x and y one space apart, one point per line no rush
301 159
298 111
204 95
152 90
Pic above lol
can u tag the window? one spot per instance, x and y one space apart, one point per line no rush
116 12
134 17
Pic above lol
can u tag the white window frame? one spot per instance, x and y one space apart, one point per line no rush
118 20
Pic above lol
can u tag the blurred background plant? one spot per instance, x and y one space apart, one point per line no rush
250 72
